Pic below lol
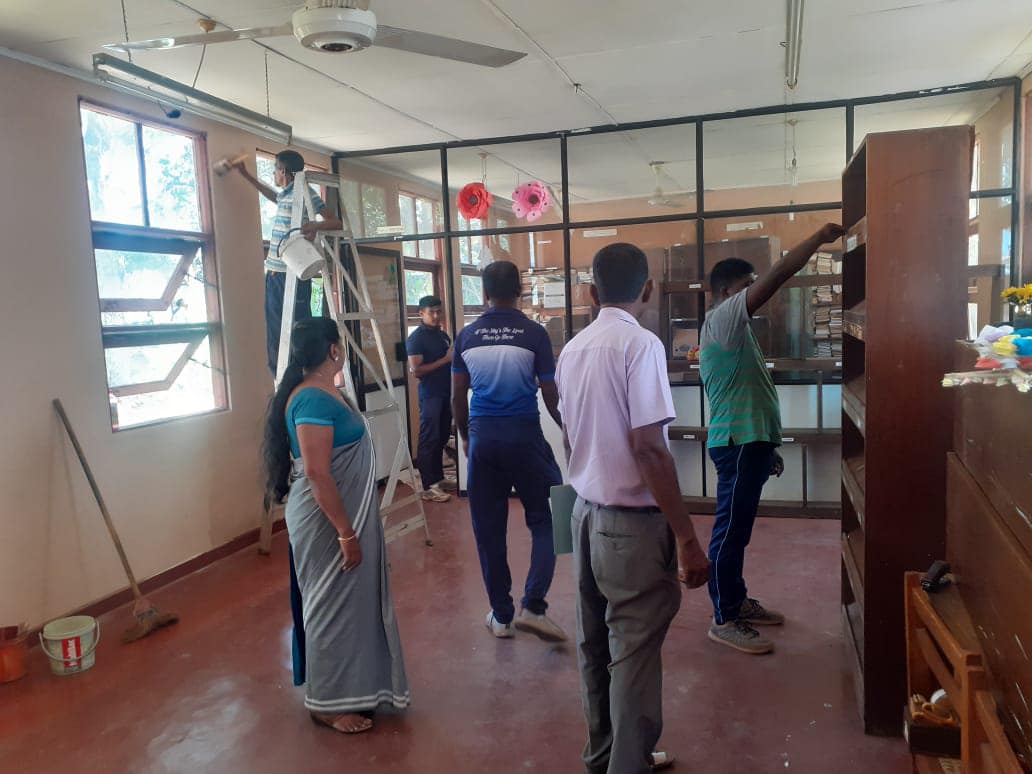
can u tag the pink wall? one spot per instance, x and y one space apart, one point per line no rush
174 490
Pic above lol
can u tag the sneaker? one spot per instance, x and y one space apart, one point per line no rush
752 612
740 636
540 625
447 484
497 628
436 495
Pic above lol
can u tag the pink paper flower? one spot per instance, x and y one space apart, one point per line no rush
531 201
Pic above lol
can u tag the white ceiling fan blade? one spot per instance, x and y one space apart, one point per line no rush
445 48
202 39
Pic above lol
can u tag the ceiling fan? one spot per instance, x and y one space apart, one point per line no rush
659 198
339 27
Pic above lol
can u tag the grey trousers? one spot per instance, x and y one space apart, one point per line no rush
625 565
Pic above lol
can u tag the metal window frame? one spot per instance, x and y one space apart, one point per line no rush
146 238
699 121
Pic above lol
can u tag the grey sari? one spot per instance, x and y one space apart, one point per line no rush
353 650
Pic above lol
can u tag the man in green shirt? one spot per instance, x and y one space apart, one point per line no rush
744 432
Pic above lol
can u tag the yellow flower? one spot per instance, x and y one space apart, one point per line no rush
1018 295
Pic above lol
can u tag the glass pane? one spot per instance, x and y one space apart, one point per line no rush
804 319
124 274
192 393
425 216
417 285
427 250
172 200
990 111
417 175
539 257
472 290
774 160
640 173
266 208
350 199
139 365
406 204
672 255
112 168
989 248
374 209
507 166
189 304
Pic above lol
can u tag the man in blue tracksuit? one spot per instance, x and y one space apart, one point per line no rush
504 356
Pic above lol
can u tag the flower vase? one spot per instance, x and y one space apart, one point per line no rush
1021 316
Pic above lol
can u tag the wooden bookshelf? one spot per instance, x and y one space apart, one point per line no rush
904 293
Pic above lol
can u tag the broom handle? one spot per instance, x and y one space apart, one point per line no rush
97 496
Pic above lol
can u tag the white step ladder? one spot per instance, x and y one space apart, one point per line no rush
338 287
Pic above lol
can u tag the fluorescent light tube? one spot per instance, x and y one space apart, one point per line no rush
135 80
793 41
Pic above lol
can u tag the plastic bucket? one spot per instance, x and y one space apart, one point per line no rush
300 255
70 643
14 653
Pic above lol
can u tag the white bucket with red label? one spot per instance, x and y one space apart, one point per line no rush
70 643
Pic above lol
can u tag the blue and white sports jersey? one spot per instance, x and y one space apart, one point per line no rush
506 355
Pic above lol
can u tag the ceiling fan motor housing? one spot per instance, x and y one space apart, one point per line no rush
334 30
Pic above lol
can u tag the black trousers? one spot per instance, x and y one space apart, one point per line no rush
435 419
275 286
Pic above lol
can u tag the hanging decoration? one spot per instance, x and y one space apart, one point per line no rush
531 200
474 201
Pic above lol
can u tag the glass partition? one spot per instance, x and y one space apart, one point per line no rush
639 173
774 160
503 169
394 194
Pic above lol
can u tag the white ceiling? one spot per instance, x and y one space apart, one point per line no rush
634 60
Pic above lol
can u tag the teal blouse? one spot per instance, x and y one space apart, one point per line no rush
312 406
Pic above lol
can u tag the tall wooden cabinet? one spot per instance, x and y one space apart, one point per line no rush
905 205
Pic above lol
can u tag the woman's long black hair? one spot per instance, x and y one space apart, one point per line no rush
310 342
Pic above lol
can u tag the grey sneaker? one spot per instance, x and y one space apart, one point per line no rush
740 636
540 625
497 628
752 612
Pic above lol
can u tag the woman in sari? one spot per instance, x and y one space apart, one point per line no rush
318 452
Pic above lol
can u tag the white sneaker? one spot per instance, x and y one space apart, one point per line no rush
540 625
436 494
498 629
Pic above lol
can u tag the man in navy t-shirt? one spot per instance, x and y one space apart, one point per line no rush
504 356
429 354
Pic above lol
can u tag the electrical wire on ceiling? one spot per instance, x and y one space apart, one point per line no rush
125 28
199 64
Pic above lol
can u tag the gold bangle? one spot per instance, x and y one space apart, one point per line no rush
354 536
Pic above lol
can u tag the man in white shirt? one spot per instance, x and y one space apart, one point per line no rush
632 535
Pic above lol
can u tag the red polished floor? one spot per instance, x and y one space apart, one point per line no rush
214 693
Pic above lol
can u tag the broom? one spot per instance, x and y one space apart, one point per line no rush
148 617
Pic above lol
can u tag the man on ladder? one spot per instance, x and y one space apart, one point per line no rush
288 164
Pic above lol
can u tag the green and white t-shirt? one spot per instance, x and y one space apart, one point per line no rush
743 402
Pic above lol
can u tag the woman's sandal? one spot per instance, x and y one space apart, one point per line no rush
359 725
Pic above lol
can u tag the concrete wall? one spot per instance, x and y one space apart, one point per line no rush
175 490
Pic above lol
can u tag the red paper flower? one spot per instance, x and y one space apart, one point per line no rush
474 201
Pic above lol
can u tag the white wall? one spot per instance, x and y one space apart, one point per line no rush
175 490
